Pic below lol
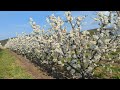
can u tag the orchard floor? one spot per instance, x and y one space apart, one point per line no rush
13 66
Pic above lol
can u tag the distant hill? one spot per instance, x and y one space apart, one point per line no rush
92 31
3 42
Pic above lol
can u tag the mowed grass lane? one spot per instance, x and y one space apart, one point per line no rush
9 69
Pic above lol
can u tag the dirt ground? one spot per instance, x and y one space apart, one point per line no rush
31 68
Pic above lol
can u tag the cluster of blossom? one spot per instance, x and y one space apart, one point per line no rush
76 53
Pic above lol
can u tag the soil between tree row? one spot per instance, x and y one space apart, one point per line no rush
30 67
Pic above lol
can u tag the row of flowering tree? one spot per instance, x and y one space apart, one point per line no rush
73 54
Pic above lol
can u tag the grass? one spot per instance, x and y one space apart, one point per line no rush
9 69
101 72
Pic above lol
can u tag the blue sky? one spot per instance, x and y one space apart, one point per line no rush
18 21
